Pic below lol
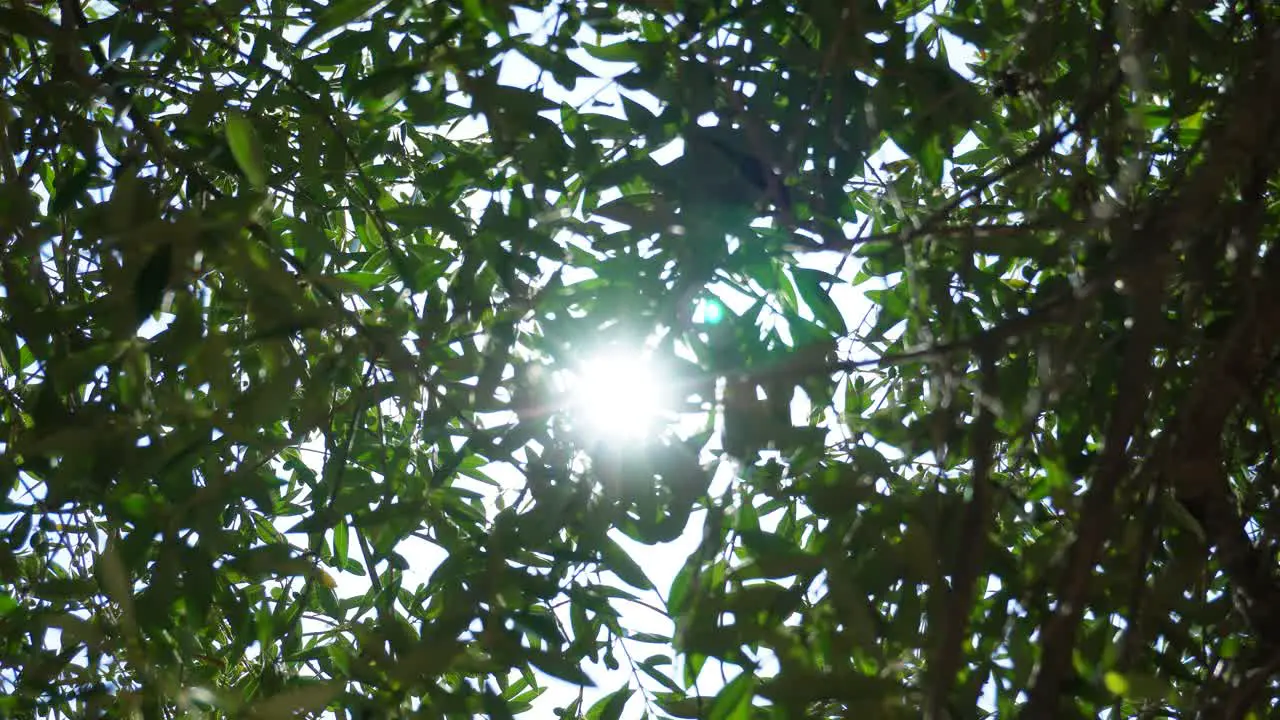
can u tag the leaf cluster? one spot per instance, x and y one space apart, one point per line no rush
286 289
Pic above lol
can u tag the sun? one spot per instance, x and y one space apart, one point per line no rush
618 396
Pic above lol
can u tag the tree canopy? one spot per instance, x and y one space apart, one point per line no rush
964 317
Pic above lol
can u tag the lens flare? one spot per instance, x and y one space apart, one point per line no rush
710 312
618 396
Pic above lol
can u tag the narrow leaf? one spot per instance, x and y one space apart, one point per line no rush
620 563
734 701
341 539
610 706
246 148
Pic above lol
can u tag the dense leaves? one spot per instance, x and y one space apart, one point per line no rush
968 314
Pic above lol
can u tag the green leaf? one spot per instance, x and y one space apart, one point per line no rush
559 667
932 157
650 669
246 148
7 604
363 280
335 15
610 706
733 702
904 9
18 20
617 560
115 579
71 189
1116 683
809 284
493 15
627 52
642 212
677 705
341 537
311 697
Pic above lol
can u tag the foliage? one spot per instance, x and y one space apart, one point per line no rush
272 322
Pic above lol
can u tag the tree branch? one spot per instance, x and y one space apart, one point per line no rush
1247 132
974 538
1095 521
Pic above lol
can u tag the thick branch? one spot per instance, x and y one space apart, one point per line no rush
1095 521
1247 132
1197 469
975 536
